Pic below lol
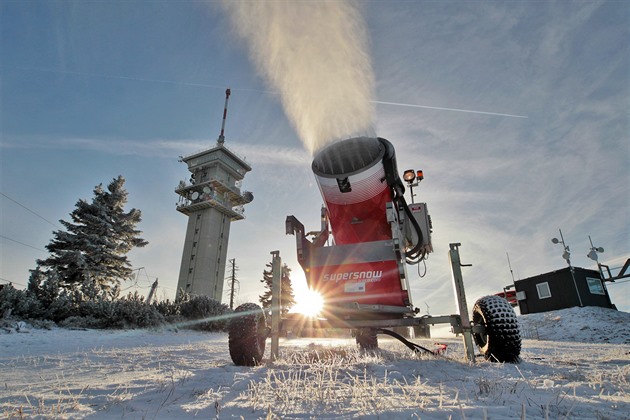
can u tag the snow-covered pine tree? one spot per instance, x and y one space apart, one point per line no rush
287 298
44 285
92 252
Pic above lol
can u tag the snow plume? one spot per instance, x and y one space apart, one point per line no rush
314 53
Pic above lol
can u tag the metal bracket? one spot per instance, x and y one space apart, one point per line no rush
276 310
455 247
460 296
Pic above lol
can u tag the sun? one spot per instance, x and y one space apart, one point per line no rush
309 303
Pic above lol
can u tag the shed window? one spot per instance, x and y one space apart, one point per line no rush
543 290
595 286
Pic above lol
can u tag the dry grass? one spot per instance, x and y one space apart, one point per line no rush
323 381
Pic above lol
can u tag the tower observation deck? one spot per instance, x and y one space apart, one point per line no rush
211 200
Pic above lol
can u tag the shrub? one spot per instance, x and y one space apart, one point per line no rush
44 300
19 303
133 312
79 322
209 314
62 307
169 310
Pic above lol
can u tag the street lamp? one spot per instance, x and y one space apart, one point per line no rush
567 256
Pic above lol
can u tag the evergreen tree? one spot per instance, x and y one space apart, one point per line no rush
44 285
91 255
287 298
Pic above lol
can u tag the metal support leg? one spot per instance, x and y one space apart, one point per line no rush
460 296
276 290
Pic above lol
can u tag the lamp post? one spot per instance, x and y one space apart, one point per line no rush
567 256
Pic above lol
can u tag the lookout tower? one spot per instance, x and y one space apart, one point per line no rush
212 199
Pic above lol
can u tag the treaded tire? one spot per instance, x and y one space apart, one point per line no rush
247 333
501 342
366 338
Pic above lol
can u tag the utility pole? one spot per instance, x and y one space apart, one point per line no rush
233 282
154 287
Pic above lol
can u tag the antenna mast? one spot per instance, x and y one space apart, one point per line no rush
221 139
510 265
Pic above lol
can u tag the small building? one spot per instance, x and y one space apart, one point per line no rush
565 288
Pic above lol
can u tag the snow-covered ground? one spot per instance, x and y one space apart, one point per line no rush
580 368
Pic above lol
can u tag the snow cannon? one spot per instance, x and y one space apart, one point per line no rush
357 178
357 261
375 233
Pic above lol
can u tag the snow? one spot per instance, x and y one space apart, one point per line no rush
588 324
580 368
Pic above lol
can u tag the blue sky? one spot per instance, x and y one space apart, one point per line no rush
91 90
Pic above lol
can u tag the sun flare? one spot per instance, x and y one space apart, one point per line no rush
309 303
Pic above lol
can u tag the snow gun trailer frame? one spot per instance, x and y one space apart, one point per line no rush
362 277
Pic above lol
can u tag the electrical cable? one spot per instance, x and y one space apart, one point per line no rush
414 256
425 268
413 346
21 243
12 282
36 214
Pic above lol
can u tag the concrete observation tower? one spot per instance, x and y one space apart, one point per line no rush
211 200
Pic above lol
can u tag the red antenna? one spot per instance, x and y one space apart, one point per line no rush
221 136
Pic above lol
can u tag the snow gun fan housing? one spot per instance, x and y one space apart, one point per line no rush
351 177
375 232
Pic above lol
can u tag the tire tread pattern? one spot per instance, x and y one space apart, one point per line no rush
366 338
246 338
502 340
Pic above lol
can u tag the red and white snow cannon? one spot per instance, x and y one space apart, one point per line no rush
362 275
357 262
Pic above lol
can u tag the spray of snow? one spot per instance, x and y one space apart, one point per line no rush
315 55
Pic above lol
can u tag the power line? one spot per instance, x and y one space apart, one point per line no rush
12 282
204 85
140 79
21 243
36 214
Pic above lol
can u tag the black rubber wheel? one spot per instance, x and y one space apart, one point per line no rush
247 333
366 338
501 342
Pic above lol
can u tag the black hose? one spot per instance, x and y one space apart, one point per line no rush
413 346
398 189
413 253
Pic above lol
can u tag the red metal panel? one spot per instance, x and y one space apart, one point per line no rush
364 283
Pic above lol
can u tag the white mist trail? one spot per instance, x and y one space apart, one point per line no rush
314 53
449 109
245 89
